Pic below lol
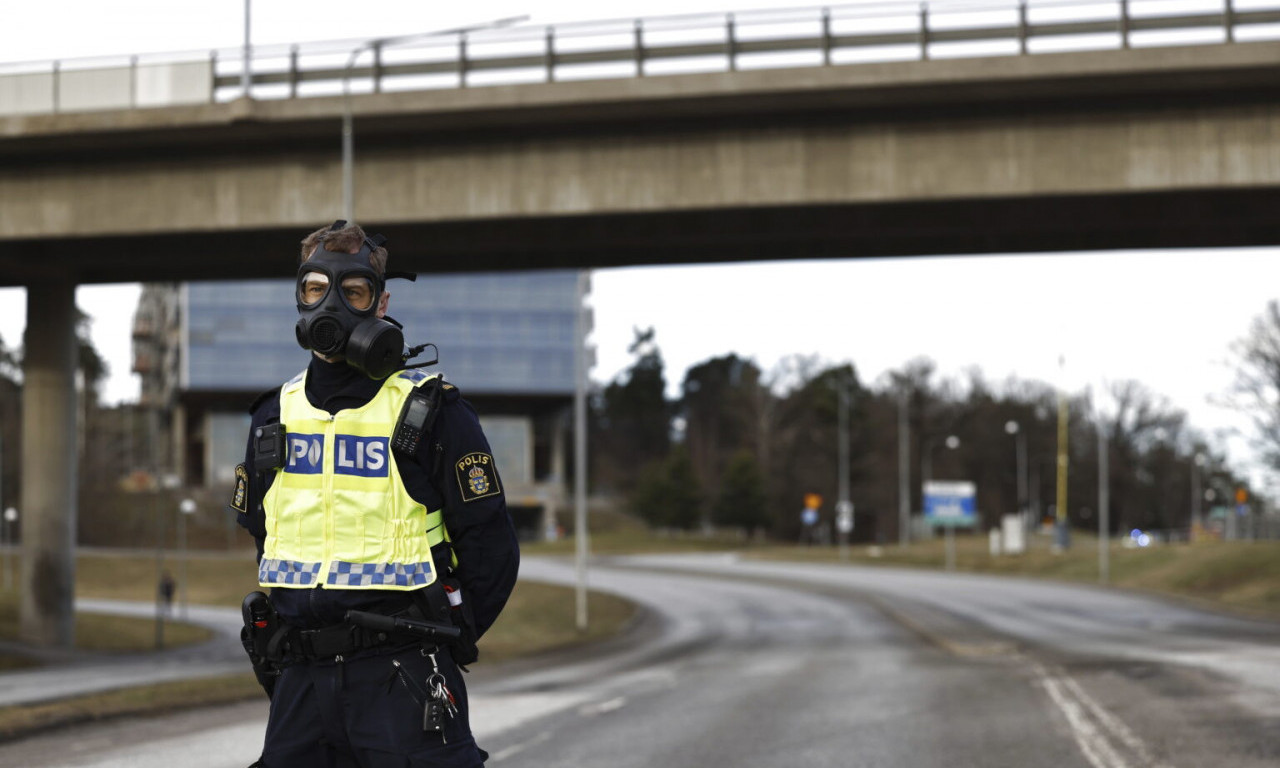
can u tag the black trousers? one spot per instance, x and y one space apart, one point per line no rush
358 714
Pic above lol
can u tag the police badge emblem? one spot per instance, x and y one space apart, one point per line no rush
477 476
242 487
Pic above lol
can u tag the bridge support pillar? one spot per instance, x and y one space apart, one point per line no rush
49 466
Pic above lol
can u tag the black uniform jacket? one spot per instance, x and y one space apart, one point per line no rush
484 538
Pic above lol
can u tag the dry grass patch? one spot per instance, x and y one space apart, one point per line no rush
24 719
541 618
103 633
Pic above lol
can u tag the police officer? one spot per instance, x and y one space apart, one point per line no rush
368 488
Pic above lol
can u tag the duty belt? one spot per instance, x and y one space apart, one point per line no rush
334 641
362 631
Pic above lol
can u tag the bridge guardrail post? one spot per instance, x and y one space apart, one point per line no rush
293 71
639 43
551 54
1229 19
462 59
1124 24
376 69
56 85
826 36
133 82
213 75
1022 27
924 31
731 42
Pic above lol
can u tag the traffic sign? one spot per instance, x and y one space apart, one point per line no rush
950 503
844 517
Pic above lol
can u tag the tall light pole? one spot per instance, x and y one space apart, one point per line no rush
1104 504
580 450
904 473
348 126
844 506
1197 497
185 509
1061 511
1020 464
10 517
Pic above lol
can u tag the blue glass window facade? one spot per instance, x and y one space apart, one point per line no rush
501 334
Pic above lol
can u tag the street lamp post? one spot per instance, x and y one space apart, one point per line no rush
1020 450
348 121
185 509
1197 513
904 471
1104 505
10 517
844 506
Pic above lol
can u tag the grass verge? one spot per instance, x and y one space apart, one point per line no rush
24 719
1241 576
101 633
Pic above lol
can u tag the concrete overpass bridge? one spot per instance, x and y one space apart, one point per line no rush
831 155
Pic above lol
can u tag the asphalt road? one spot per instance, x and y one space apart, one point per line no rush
748 664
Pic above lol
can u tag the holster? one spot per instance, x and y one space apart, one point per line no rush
262 637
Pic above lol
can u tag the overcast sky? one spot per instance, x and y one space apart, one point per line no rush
1166 318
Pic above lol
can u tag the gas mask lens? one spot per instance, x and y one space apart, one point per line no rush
312 288
358 293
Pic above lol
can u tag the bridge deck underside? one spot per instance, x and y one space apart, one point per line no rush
1205 218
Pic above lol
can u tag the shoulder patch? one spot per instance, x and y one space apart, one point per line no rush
477 476
241 491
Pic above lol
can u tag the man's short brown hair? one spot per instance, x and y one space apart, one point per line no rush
345 240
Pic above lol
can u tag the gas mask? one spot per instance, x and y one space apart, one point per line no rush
338 295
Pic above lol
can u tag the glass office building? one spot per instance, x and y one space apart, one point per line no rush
497 334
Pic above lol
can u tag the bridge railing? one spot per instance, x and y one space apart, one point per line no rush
649 47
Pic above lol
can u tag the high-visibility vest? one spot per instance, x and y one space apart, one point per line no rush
337 514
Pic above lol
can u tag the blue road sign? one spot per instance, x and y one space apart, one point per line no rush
950 503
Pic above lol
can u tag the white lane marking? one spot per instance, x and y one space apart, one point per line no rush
603 708
1093 744
1101 736
1115 725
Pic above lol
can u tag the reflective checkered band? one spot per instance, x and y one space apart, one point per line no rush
379 574
287 572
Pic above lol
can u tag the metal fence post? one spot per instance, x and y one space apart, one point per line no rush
57 85
133 82
924 31
1124 24
1022 28
731 42
1229 19
639 38
213 75
293 72
551 54
377 67
462 59
826 36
